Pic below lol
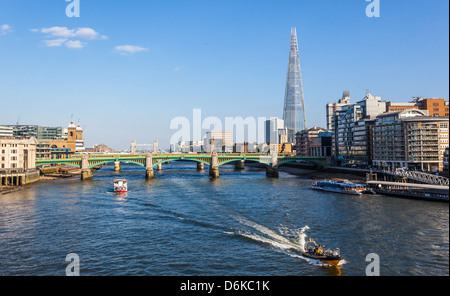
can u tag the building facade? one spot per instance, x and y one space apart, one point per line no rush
410 139
218 141
6 132
70 143
351 131
274 131
435 107
333 108
18 161
38 132
306 139
445 161
294 115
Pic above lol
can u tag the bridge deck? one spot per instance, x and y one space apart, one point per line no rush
409 185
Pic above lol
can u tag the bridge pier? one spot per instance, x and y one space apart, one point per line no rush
272 171
149 174
159 167
239 165
117 166
200 166
86 172
214 167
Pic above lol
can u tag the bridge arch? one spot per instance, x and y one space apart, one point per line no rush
252 160
307 160
113 161
181 159
60 163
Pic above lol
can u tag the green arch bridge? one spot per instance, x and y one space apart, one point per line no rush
149 161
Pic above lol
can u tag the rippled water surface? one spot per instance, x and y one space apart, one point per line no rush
181 223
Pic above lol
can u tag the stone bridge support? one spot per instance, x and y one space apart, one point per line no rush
149 174
200 166
239 165
159 167
117 166
86 172
214 167
272 170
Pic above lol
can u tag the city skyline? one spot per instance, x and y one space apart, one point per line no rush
127 80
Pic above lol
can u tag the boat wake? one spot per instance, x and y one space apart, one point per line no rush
289 241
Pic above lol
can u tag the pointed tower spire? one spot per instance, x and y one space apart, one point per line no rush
294 105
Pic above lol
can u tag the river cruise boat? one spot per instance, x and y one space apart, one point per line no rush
340 186
120 186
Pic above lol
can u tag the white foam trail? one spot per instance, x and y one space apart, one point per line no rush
268 232
279 241
302 236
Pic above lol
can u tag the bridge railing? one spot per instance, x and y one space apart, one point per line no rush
419 176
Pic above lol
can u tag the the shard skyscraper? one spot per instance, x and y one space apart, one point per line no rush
294 105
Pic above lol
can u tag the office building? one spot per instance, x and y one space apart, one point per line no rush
275 131
218 141
305 139
435 107
294 105
410 139
36 131
17 161
6 132
351 131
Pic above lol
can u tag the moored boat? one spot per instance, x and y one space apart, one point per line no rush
340 186
120 186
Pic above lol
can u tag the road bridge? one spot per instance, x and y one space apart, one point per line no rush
149 160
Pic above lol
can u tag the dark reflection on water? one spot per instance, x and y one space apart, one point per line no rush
181 223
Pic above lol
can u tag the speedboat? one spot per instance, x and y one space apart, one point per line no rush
120 186
315 251
340 186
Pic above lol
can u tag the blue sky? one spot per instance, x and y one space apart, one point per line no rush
135 65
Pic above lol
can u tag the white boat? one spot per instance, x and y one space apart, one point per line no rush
120 186
340 186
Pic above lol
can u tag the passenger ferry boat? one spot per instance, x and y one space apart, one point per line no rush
340 186
120 186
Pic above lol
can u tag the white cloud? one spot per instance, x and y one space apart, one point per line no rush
74 44
82 33
57 32
4 29
55 42
129 49
86 33
66 36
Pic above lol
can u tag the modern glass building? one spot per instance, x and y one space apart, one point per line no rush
294 106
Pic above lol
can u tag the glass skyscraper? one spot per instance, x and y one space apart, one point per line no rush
294 106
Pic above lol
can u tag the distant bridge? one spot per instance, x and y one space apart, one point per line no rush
149 160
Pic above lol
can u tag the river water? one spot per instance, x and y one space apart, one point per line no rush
243 224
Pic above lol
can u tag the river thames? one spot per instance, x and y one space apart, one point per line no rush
242 224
